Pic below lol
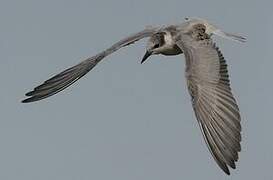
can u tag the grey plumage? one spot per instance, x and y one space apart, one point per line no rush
213 103
71 75
207 77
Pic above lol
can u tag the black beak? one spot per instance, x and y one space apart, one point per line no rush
146 55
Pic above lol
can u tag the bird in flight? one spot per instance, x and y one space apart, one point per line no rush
207 77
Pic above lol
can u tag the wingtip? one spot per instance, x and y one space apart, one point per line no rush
30 99
225 168
30 93
25 101
227 173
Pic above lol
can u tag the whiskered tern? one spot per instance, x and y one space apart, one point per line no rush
207 77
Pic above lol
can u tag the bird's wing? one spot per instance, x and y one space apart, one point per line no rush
64 79
214 105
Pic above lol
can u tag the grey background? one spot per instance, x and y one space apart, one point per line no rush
124 120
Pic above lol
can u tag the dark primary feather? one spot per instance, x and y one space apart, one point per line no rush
214 105
71 75
62 80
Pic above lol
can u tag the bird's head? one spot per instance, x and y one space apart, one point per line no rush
155 45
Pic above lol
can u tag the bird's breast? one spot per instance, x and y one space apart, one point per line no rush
171 50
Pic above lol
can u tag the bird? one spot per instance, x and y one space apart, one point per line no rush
207 79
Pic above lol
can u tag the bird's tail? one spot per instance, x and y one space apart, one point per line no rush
229 36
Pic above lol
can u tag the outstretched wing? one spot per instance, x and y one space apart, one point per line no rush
64 79
213 103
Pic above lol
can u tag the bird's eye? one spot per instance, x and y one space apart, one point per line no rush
156 46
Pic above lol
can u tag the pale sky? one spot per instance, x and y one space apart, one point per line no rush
124 120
